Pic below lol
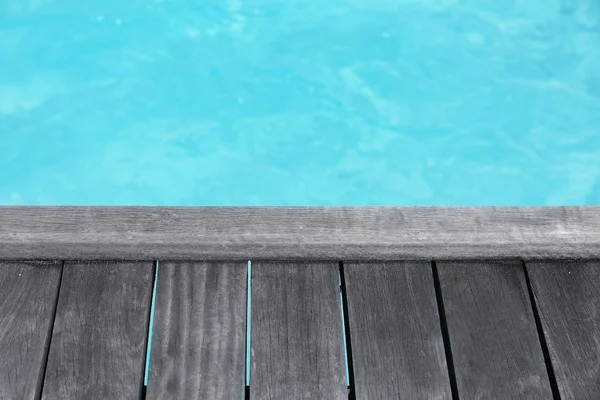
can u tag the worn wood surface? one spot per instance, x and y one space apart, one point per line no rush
199 335
297 338
397 345
567 295
28 293
98 345
325 233
494 341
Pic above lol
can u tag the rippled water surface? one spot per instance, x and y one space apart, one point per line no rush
300 102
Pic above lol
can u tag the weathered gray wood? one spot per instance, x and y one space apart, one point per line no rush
495 346
326 233
397 344
199 334
28 294
567 295
297 338
98 345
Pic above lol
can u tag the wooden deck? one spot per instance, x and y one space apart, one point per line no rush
437 302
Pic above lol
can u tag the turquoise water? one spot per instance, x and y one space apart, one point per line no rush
263 102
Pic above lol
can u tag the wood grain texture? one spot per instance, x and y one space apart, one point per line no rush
326 233
567 294
28 294
98 345
397 344
494 341
199 335
297 338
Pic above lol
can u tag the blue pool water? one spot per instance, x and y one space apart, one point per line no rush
300 102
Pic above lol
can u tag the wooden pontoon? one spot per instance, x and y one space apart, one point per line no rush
437 302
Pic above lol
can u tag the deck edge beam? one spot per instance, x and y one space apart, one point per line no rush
324 233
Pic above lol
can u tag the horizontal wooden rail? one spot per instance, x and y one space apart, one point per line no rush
325 233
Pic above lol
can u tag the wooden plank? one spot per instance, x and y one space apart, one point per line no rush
297 338
495 346
199 334
397 345
294 233
567 295
98 345
28 292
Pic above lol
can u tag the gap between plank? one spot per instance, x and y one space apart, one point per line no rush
248 329
347 338
50 333
146 369
541 336
343 330
445 332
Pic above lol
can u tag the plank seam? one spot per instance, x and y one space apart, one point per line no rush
352 387
541 336
148 344
248 338
50 333
445 331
